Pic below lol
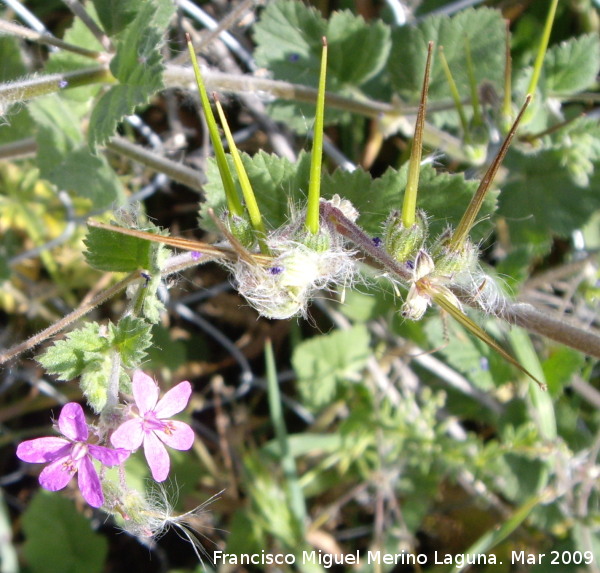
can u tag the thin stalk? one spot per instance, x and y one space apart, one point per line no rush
454 92
297 503
173 265
445 302
541 53
385 113
468 219
234 205
68 319
80 12
409 207
172 169
251 205
12 29
19 91
314 187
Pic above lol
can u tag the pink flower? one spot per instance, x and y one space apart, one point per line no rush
70 456
149 423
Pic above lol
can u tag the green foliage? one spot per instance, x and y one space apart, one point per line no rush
483 29
109 251
355 434
87 353
289 38
572 66
59 539
64 158
280 186
552 203
116 15
137 66
324 363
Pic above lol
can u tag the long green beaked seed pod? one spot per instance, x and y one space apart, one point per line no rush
403 243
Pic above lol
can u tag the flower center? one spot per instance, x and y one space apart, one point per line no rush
152 423
79 451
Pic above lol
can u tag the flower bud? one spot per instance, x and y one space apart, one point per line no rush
242 230
318 242
452 263
403 243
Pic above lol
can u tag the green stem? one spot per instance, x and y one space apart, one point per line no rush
297 503
19 91
314 186
396 115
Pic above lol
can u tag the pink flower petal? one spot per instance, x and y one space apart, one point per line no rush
43 450
178 436
71 422
108 456
157 457
145 392
89 483
128 435
175 400
58 474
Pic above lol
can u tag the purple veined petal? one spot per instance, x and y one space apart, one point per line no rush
43 450
145 392
72 424
108 456
89 483
178 435
175 400
157 457
58 474
129 435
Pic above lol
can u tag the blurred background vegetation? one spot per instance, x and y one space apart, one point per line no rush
392 436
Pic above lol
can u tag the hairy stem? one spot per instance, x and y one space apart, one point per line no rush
32 87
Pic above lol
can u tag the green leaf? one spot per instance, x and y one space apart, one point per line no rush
94 381
79 35
110 251
572 66
560 366
131 337
116 15
138 67
443 196
289 40
63 157
68 358
483 28
541 200
324 362
59 539
279 184
579 144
